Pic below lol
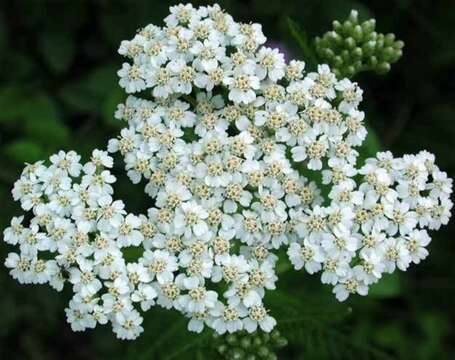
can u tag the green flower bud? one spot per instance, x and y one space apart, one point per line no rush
354 16
389 39
328 53
334 37
372 36
382 68
398 44
345 55
389 53
368 48
348 27
357 53
245 342
231 339
281 342
338 62
350 70
275 334
350 43
222 349
243 345
266 337
357 65
373 61
352 47
257 341
336 25
238 354
380 42
263 352
369 26
357 33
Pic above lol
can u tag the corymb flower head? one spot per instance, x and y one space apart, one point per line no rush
224 133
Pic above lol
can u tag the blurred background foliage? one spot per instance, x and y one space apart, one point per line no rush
58 90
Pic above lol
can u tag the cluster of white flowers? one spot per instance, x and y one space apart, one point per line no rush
224 146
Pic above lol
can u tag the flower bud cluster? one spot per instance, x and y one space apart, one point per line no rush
242 345
224 146
352 47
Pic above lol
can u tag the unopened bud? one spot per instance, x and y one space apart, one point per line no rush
352 47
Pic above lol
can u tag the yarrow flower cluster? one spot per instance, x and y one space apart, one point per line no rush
224 147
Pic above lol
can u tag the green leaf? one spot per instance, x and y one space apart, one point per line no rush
11 99
89 93
115 97
3 32
35 116
57 50
39 107
24 151
372 143
42 122
388 287
370 147
302 38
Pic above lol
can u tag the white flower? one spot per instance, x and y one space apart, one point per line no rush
13 234
137 273
227 318
101 158
401 218
341 241
84 279
258 317
334 268
242 85
225 135
416 243
308 256
183 78
350 285
68 162
243 293
145 295
128 232
197 322
231 268
198 298
294 70
271 64
209 54
127 325
351 93
371 268
395 254
79 320
190 219
160 78
131 78
20 267
120 286
160 264
441 186
181 14
99 183
43 271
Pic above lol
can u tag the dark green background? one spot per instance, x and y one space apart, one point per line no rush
58 90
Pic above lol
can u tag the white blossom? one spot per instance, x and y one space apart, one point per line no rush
224 135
